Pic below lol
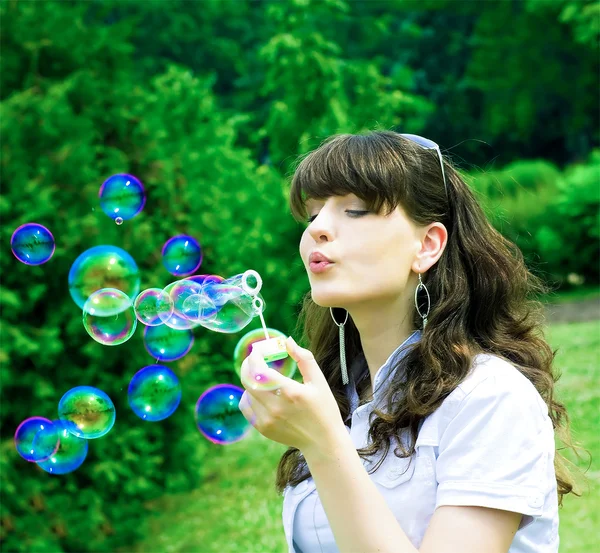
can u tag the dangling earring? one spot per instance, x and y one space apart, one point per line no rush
424 317
345 378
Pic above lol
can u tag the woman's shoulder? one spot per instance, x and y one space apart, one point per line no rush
491 367
493 379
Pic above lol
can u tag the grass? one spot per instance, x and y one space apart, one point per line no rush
240 512
579 293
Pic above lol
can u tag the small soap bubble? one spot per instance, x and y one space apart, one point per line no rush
153 306
164 343
177 292
103 267
182 255
87 412
109 317
36 439
286 365
154 393
122 197
218 416
199 307
32 244
69 456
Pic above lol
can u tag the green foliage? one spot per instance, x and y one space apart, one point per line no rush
568 233
553 217
209 104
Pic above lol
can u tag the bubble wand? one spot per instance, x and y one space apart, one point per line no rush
272 349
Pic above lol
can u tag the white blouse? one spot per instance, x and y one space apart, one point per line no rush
489 444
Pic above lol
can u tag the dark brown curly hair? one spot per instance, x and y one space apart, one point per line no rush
483 297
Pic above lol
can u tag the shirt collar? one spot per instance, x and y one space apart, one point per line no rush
382 374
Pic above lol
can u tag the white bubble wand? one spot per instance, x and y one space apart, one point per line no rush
272 349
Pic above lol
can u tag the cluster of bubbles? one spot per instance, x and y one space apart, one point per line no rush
104 282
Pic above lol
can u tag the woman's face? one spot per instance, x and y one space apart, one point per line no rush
372 253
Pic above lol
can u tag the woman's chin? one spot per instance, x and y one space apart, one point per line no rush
326 300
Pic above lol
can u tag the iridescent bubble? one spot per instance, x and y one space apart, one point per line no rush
119 220
199 307
36 439
122 197
286 365
71 452
32 244
103 267
235 307
153 306
87 412
182 255
167 344
205 279
154 393
109 317
177 292
218 416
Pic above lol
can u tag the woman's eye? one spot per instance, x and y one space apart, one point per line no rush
353 213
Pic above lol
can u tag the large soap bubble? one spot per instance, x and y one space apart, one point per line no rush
32 244
122 197
154 393
285 364
87 412
69 456
109 317
103 267
167 344
182 255
218 416
37 439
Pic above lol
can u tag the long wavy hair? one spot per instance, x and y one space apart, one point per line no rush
483 297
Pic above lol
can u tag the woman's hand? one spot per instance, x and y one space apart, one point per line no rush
304 415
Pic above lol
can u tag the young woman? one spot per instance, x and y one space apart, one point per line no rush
426 419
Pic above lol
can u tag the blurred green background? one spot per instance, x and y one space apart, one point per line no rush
209 104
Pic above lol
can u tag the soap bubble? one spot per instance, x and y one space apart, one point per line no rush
103 267
181 255
32 244
176 293
154 393
286 365
122 197
199 307
218 416
193 304
153 306
71 452
109 317
206 279
87 412
36 439
236 308
167 344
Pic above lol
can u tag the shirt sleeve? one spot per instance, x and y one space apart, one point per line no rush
495 451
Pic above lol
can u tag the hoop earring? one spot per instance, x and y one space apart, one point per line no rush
345 378
424 317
